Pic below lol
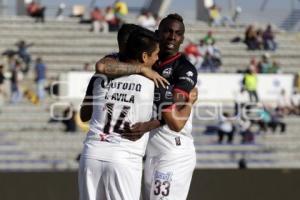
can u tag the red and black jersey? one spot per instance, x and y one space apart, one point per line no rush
180 73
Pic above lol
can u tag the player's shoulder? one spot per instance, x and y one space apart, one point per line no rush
114 55
141 78
183 62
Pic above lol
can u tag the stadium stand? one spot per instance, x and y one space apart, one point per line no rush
29 142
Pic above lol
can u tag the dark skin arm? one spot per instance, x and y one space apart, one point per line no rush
175 119
86 109
114 68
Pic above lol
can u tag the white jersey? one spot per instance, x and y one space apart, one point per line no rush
164 141
123 102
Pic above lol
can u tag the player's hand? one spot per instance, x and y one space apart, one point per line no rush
153 75
193 96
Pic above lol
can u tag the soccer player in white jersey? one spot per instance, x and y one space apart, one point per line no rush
171 156
111 166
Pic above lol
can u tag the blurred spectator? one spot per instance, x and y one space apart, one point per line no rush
121 10
146 20
277 120
36 11
59 14
3 92
226 127
265 65
295 100
297 81
251 38
216 19
284 103
111 19
253 65
240 100
246 131
16 77
269 39
193 55
264 118
24 54
86 67
98 21
210 63
202 48
209 39
250 84
69 115
275 68
259 38
40 72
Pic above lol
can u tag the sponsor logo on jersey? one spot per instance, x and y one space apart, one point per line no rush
167 72
188 79
163 176
190 73
177 141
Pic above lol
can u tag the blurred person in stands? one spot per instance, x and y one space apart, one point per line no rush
146 20
121 10
209 39
269 39
265 64
111 19
3 92
246 130
277 120
216 19
59 13
251 38
295 100
98 21
40 78
275 68
193 55
69 121
253 65
36 11
24 54
241 98
284 103
259 38
226 127
250 84
16 77
210 63
87 67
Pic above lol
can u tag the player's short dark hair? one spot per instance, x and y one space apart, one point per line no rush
139 41
124 33
173 16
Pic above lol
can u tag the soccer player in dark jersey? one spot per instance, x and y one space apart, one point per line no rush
171 154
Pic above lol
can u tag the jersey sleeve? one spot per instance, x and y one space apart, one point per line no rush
185 78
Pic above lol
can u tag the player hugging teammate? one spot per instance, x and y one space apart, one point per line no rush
122 131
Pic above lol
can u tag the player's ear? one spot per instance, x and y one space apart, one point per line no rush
144 57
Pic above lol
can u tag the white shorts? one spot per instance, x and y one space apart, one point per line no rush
102 180
168 177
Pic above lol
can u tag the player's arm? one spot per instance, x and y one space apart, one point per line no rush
86 109
177 114
112 67
139 129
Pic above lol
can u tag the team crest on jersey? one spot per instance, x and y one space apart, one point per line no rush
189 73
177 141
167 72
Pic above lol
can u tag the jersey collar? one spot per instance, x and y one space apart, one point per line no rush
169 60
